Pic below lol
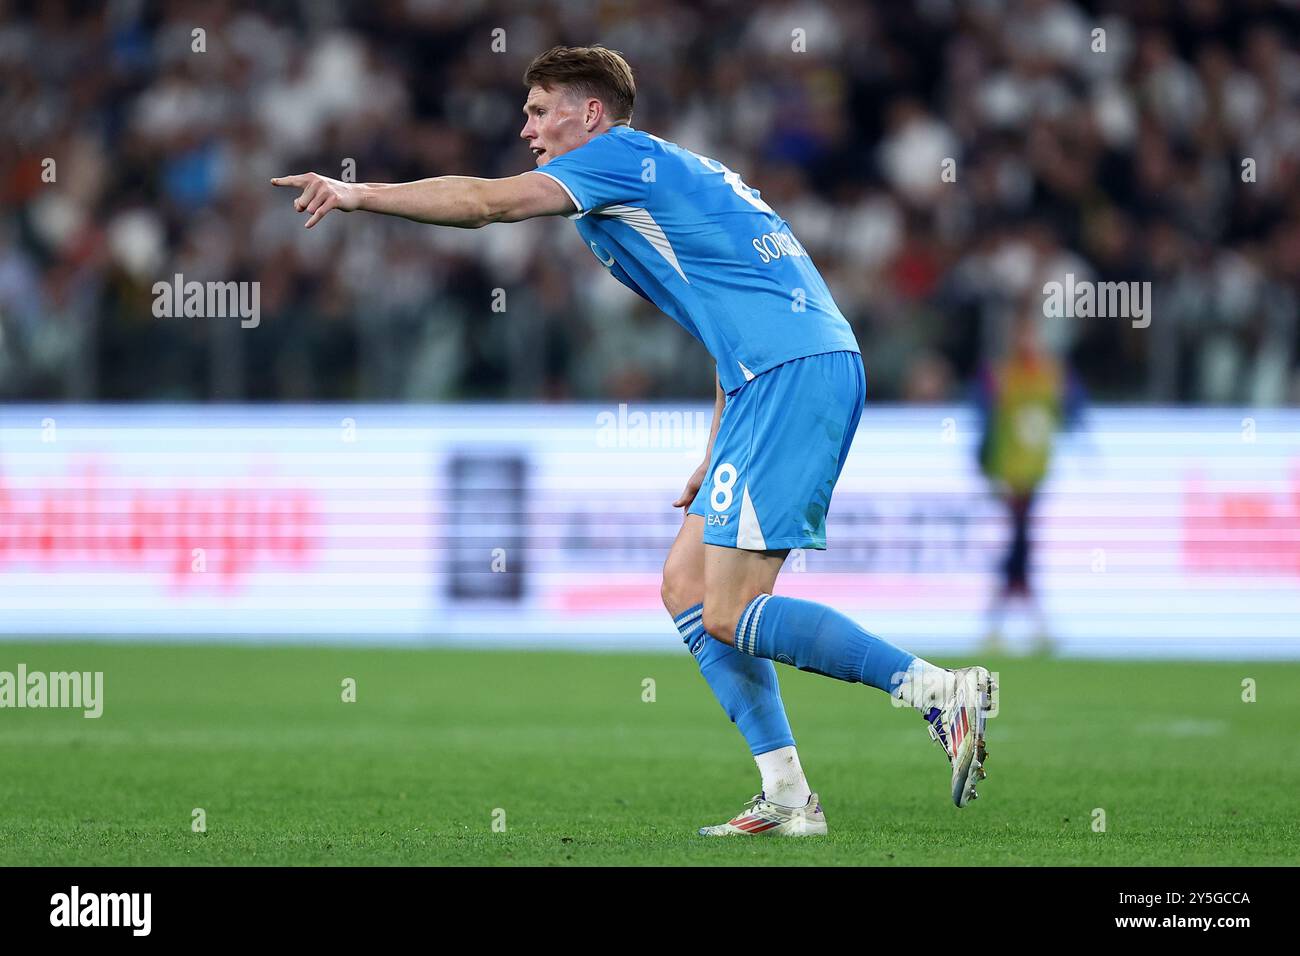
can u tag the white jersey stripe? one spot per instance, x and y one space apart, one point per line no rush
644 223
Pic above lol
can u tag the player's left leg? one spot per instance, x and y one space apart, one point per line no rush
740 609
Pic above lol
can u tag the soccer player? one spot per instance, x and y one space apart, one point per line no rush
686 233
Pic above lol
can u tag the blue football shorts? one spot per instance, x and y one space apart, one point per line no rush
779 451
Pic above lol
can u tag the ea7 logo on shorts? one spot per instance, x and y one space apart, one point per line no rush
718 519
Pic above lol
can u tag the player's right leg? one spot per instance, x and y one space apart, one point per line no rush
748 691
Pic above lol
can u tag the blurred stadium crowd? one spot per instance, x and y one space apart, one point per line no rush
1117 165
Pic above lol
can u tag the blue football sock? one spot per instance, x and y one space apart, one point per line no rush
814 637
745 686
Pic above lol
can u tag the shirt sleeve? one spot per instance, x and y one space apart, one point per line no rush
603 172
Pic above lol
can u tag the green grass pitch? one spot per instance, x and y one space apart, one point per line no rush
587 772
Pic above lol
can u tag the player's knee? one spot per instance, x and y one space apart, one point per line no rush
679 591
720 622
670 593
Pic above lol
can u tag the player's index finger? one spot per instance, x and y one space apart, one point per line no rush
288 180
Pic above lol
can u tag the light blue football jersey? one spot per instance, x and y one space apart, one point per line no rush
683 231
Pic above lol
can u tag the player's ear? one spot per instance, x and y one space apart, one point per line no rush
595 112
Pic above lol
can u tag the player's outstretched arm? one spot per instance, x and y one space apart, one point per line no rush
461 201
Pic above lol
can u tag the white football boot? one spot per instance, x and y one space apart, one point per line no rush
958 727
761 817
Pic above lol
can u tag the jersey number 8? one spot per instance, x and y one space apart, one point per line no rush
724 480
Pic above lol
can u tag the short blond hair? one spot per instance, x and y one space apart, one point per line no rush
594 71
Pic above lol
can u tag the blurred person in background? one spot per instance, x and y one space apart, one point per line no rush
1022 399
